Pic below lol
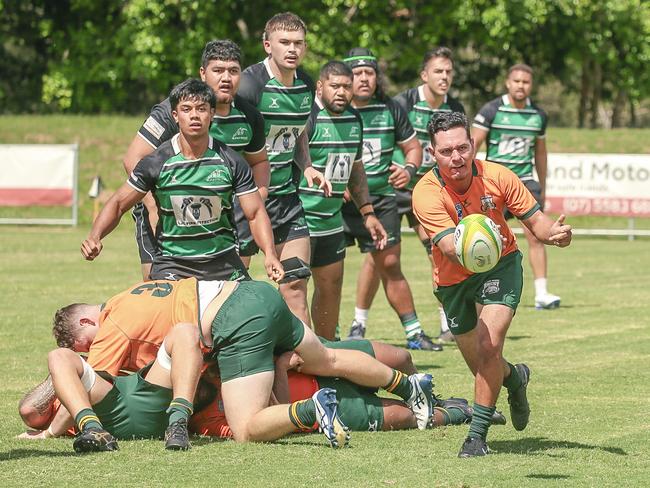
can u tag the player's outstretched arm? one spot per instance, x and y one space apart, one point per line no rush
253 208
121 201
552 233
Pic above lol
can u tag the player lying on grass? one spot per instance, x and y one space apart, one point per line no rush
241 326
359 408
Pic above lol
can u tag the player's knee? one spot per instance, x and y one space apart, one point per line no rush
405 362
58 356
490 352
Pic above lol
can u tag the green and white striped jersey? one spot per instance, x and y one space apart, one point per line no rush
335 143
285 110
420 113
513 133
194 197
385 124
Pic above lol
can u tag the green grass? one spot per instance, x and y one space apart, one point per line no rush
590 387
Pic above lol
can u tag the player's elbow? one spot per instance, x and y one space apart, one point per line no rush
32 417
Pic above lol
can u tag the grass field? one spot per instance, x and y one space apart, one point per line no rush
590 387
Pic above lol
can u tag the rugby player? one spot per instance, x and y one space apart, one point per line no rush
284 94
514 129
236 123
480 307
335 147
194 179
385 125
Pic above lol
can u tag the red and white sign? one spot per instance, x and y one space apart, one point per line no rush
37 175
598 184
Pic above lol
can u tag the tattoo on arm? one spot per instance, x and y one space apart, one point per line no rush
358 184
301 152
40 397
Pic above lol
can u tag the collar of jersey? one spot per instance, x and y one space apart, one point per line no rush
177 147
422 98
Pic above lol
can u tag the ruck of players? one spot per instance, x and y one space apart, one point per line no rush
263 163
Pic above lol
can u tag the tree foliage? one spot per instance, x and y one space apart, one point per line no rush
89 56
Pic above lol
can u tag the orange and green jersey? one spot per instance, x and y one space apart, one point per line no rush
134 323
439 209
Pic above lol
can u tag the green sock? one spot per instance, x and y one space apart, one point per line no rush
411 324
337 334
480 421
400 385
303 414
513 381
452 415
179 408
87 418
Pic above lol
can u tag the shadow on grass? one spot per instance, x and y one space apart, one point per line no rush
16 454
427 367
518 337
205 440
548 476
532 445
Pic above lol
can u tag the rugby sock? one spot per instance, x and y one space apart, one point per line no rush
411 324
540 287
87 418
513 381
444 326
179 408
337 333
303 414
452 415
400 385
480 421
361 315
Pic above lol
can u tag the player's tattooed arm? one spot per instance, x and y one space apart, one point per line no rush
358 185
36 406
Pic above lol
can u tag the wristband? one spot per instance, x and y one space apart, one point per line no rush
412 169
364 205
368 214
49 431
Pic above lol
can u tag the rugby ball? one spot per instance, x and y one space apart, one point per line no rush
478 243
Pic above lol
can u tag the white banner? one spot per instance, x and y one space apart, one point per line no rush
598 184
37 175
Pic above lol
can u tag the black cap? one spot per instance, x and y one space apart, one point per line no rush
361 56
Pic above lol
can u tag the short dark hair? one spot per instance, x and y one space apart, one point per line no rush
445 121
335 68
192 89
65 324
436 52
221 50
520 67
285 21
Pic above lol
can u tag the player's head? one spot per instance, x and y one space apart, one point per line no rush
334 86
193 103
284 40
221 68
75 326
519 81
451 145
438 70
367 80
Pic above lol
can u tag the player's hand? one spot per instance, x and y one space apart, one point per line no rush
560 233
34 435
399 177
315 177
346 196
274 269
91 247
376 230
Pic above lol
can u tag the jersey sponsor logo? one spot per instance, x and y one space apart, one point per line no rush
531 121
491 287
174 180
274 102
487 203
154 128
196 210
282 139
326 132
354 131
371 150
514 145
306 102
218 174
451 321
505 119
240 134
338 167
459 210
379 119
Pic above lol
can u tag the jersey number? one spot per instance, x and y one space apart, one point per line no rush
157 289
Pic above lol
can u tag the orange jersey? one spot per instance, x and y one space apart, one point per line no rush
211 420
439 209
133 324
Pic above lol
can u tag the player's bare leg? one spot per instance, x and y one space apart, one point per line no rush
394 357
326 299
295 292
